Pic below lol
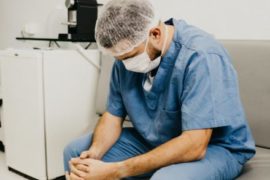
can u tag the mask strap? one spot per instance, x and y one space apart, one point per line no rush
165 40
146 44
154 23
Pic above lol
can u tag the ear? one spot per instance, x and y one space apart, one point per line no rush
155 37
155 33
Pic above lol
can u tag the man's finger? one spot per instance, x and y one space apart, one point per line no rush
86 162
75 177
75 160
67 176
75 171
84 154
83 168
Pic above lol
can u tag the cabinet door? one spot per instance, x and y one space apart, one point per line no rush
23 115
70 88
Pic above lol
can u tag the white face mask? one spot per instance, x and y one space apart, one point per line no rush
142 63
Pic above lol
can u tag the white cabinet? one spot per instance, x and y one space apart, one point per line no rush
48 100
1 128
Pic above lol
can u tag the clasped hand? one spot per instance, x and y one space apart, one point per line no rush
86 167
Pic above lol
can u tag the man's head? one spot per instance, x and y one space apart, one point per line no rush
124 27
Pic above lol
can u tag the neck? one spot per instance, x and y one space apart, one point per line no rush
170 38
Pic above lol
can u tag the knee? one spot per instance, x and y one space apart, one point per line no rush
75 147
159 175
70 151
170 173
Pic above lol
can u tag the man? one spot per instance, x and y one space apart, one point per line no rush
180 91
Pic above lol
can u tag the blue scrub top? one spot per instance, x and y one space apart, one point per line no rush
195 87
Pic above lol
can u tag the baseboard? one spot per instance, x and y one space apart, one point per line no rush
21 174
60 178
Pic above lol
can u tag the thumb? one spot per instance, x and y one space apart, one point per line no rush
67 176
84 155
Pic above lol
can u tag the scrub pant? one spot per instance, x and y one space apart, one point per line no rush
218 164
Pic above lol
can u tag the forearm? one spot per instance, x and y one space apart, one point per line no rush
106 133
180 149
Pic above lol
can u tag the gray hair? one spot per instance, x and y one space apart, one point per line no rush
123 25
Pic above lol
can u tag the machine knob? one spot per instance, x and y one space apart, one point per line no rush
69 3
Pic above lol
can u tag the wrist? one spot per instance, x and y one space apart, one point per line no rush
95 152
122 169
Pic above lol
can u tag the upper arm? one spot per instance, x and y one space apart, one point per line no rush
201 136
112 118
210 95
115 103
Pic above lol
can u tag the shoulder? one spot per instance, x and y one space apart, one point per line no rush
195 39
198 48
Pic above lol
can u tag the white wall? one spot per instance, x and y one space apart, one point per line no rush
44 16
226 19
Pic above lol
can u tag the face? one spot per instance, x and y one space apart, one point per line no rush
153 48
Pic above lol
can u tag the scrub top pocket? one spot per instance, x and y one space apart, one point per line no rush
168 122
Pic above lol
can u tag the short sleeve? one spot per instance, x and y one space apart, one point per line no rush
210 96
115 103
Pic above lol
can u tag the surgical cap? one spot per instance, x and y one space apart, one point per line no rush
124 24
